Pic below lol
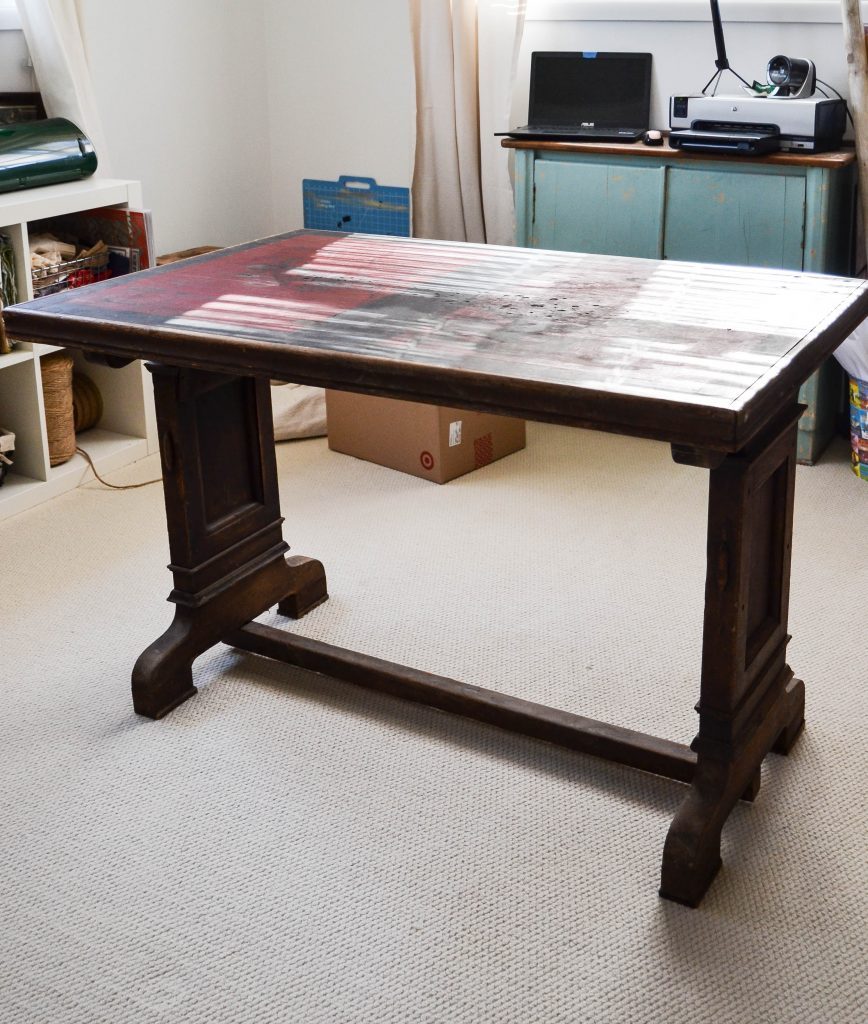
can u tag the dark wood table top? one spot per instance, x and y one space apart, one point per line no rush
693 353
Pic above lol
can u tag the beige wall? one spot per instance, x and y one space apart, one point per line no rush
222 107
342 95
182 91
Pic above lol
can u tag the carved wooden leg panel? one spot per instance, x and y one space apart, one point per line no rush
749 702
228 555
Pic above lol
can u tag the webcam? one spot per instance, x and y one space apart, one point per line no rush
792 77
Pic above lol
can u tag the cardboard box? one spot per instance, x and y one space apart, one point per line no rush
429 441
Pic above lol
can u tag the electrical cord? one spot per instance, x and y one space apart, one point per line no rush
114 487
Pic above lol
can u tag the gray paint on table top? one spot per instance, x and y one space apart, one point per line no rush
690 333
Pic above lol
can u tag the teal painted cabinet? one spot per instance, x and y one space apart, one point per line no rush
790 211
620 210
754 220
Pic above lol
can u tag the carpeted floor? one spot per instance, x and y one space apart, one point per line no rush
287 848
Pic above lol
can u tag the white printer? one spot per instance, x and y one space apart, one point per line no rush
756 124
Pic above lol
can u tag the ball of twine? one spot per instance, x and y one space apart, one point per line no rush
57 393
86 403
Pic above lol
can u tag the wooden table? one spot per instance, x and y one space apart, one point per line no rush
706 358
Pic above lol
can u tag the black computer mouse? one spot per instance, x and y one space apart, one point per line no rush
653 138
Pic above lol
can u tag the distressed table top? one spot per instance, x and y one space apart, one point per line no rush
694 353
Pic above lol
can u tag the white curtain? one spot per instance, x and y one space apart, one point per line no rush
53 34
465 53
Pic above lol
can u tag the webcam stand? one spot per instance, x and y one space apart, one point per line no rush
722 62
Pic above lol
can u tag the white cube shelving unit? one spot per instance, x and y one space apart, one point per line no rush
127 430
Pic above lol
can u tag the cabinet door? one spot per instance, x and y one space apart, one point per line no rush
608 208
720 216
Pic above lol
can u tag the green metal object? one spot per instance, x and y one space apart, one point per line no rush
44 152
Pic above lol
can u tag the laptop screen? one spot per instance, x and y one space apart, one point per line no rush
602 89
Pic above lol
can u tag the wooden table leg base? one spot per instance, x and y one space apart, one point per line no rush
691 854
163 673
228 554
229 565
749 703
310 587
163 677
793 730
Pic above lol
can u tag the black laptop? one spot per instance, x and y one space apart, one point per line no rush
596 97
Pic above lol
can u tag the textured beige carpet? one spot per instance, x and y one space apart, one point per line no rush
285 847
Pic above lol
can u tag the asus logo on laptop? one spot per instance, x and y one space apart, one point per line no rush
587 124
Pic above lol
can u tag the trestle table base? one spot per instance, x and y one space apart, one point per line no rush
229 565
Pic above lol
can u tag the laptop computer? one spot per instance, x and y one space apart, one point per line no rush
597 97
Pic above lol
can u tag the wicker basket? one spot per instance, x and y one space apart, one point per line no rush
86 403
57 393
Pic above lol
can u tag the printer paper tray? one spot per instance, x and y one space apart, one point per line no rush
745 143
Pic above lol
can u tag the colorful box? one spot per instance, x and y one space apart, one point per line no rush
859 427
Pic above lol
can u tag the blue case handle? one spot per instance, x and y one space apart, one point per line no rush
360 184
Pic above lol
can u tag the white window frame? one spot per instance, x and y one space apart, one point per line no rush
731 11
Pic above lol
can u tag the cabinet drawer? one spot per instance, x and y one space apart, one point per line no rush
613 209
715 216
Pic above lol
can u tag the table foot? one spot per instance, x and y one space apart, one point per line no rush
793 730
309 587
691 854
162 677
163 674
